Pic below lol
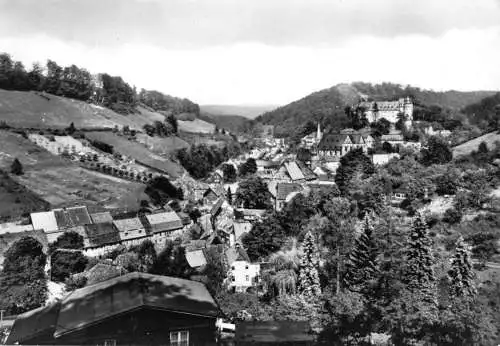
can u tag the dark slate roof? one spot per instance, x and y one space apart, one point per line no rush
62 219
273 332
284 189
35 323
79 216
92 304
100 234
236 254
306 171
217 205
131 291
102 217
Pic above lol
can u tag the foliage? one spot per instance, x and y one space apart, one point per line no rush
23 285
253 194
353 163
229 173
304 154
64 264
67 240
146 254
73 283
248 167
171 261
437 152
215 271
265 238
16 167
107 148
461 274
200 160
160 190
362 268
165 103
452 216
381 127
309 285
485 112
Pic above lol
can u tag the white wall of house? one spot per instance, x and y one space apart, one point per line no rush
243 275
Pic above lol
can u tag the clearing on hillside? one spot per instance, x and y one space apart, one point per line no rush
196 126
40 110
162 145
16 200
61 182
138 152
472 145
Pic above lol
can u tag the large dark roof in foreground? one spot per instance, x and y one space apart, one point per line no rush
95 303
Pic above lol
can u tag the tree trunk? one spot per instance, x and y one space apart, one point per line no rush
338 271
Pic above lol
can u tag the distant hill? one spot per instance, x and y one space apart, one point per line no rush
233 123
250 111
487 111
327 106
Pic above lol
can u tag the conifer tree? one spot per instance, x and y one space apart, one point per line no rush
461 274
309 285
362 265
419 274
16 167
229 196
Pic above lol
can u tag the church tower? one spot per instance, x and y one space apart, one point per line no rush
319 135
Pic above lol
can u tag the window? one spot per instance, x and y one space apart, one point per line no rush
246 267
232 268
233 279
110 342
247 278
179 338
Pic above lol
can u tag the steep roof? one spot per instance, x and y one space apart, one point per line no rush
45 220
332 141
101 217
284 189
217 205
236 254
169 218
241 228
92 304
79 216
101 234
294 170
131 224
306 171
196 258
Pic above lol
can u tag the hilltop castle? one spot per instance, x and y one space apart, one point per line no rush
376 110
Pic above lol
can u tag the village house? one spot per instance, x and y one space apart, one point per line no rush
339 144
242 273
102 238
164 226
382 159
394 138
130 230
312 140
284 193
132 309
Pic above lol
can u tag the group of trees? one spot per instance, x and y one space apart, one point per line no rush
201 160
77 83
162 129
23 284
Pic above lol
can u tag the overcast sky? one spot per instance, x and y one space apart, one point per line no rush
262 51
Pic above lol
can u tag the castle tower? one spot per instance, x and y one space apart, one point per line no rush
408 111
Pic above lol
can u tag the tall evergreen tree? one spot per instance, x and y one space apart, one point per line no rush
229 196
461 274
419 274
362 266
16 167
309 285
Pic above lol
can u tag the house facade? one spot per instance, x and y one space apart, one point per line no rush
339 144
133 309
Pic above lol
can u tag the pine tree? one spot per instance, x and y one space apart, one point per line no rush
16 167
362 265
229 196
419 274
309 284
461 274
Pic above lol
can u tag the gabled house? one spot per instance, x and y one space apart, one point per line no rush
132 309
131 231
102 237
242 273
339 144
165 225
284 190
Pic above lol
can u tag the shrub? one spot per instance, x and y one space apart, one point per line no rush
452 216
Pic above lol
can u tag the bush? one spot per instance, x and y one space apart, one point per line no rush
16 167
452 216
73 283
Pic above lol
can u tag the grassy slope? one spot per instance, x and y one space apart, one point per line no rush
16 199
137 151
196 126
60 182
468 147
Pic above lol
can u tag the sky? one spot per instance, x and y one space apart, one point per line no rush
262 51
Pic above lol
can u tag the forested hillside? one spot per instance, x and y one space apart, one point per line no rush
327 106
77 83
486 111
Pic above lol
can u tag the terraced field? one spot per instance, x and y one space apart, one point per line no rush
61 182
467 147
138 152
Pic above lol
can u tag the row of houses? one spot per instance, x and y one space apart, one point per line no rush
103 231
